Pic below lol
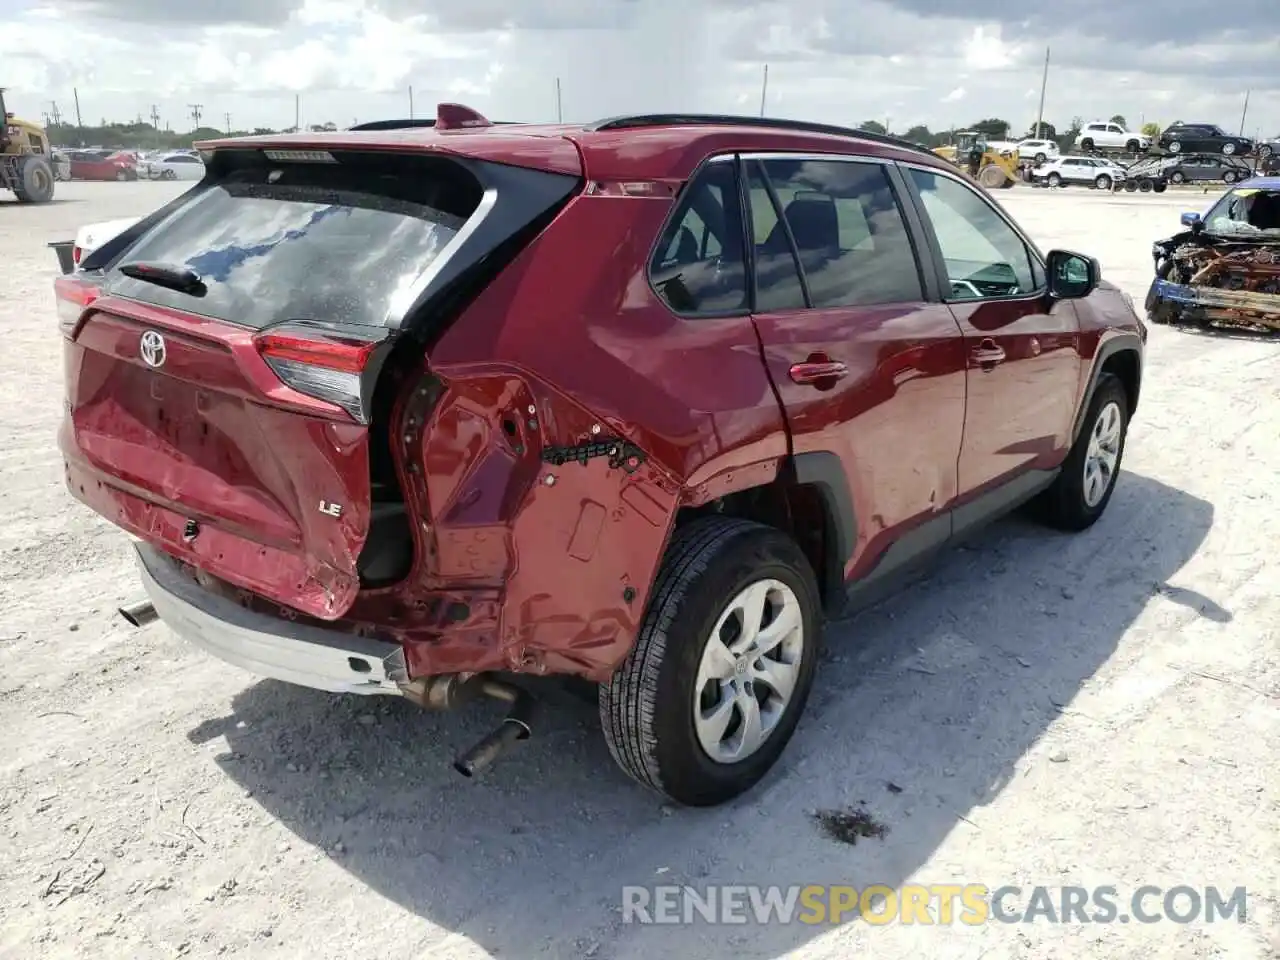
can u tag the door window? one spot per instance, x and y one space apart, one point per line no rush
984 256
698 266
845 226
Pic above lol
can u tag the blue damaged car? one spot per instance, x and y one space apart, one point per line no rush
1225 267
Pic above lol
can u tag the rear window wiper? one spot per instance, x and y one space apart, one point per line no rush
174 276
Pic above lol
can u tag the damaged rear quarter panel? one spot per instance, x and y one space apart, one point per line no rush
568 345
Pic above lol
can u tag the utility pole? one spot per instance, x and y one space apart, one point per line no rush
1245 112
411 103
54 113
227 117
196 110
155 122
559 103
297 113
76 93
1044 83
764 88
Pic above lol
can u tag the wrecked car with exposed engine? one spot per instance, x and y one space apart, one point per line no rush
1225 267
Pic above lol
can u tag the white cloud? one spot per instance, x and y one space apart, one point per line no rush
954 96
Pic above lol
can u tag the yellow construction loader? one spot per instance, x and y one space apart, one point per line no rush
994 169
26 166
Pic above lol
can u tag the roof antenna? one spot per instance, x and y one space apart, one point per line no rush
455 116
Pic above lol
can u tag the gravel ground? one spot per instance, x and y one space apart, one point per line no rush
1100 709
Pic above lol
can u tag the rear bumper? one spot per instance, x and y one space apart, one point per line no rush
295 653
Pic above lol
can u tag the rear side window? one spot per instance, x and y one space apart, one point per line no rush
330 242
698 267
847 228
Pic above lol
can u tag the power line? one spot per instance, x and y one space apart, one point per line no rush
54 113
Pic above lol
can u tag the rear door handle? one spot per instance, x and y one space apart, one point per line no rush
816 371
987 354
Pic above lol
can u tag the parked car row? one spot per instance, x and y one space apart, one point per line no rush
1177 138
121 165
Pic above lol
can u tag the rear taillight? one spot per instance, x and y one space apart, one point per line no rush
76 254
321 366
73 295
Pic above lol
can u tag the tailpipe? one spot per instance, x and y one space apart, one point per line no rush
139 614
514 727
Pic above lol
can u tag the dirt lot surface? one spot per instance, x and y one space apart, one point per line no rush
1103 709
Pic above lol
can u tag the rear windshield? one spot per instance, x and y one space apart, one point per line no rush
330 242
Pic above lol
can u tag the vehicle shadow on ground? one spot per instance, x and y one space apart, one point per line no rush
940 691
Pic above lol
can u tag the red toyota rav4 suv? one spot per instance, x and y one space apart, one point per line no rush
407 411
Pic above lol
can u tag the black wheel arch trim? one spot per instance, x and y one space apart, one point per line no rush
824 471
1117 344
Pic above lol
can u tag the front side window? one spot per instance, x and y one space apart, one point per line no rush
846 228
984 256
698 266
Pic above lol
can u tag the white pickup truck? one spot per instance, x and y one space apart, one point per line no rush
1105 135
88 238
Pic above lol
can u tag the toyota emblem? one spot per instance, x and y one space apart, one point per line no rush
152 349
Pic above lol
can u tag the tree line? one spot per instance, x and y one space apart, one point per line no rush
145 136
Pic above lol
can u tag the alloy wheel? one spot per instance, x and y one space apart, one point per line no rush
749 670
1103 454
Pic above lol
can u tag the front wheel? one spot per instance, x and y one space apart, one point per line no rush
1175 146
1229 177
1159 186
1086 145
1130 186
1083 488
1133 146
1177 177
1054 180
1228 149
1103 182
1264 151
712 691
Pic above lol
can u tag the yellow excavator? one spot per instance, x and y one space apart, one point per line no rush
26 166
994 169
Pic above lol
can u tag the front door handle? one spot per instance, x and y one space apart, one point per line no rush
987 354
818 371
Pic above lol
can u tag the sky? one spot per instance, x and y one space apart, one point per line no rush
840 61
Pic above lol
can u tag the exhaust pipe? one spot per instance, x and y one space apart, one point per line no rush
514 727
139 614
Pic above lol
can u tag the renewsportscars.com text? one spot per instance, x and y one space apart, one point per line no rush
930 904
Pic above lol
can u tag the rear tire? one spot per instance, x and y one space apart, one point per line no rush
1054 180
1228 149
35 181
1084 486
1133 146
1177 177
1175 146
1229 177
1159 186
1130 186
658 708
1086 144
1146 186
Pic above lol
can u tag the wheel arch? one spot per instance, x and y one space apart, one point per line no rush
807 497
1120 356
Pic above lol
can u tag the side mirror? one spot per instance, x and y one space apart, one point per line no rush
1072 275
1190 219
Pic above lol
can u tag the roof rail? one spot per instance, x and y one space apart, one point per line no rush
772 123
419 122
